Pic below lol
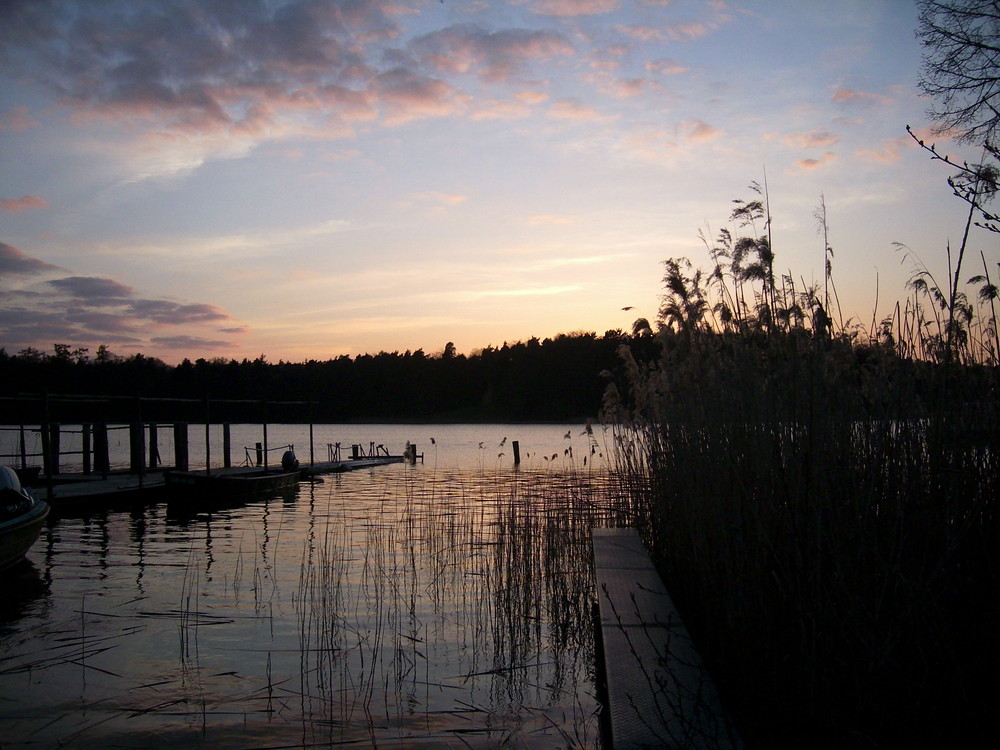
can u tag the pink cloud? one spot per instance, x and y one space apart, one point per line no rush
816 138
493 55
24 203
810 164
15 262
621 88
573 109
17 119
685 31
886 155
567 8
666 67
531 97
407 96
496 109
642 33
698 131
652 145
849 96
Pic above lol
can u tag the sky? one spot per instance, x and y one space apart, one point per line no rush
308 179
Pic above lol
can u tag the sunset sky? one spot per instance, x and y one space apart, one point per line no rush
309 179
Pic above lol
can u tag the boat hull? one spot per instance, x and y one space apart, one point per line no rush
18 534
233 484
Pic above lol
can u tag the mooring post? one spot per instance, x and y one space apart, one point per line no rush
312 457
517 452
102 455
354 450
208 437
85 430
181 461
24 450
227 445
50 448
154 448
137 448
260 454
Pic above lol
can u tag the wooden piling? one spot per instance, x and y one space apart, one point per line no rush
227 445
50 448
85 430
137 448
102 455
154 449
260 454
517 452
181 459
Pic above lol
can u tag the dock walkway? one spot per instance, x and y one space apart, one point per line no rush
659 694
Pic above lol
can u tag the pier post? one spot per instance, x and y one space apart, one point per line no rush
85 430
50 448
181 461
154 448
137 448
102 456
354 450
517 452
227 445
260 453
24 450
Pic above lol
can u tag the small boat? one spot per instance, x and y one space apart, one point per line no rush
21 518
231 483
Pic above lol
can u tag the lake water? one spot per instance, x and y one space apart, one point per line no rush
441 604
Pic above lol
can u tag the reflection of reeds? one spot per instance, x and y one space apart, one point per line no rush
408 602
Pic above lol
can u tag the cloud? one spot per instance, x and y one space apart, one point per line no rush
189 342
653 145
698 131
682 32
494 56
549 219
892 148
172 313
816 138
666 66
573 109
497 109
14 262
406 95
92 310
91 290
569 8
24 203
852 97
17 119
620 88
642 33
811 164
214 71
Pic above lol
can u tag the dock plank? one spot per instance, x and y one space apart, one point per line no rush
659 693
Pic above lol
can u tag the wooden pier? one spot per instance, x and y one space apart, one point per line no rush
658 694
144 479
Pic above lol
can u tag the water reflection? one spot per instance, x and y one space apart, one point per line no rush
398 605
24 586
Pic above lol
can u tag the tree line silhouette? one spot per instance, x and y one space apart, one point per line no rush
554 379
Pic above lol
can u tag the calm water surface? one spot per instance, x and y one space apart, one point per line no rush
443 604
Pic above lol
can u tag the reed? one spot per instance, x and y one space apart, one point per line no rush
824 513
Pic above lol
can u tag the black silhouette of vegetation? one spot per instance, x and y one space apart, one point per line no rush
555 379
821 495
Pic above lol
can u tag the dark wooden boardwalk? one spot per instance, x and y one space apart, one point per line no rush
659 694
